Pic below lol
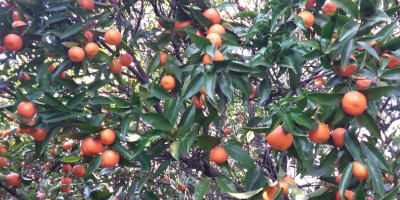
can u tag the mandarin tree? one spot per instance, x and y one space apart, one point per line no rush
198 99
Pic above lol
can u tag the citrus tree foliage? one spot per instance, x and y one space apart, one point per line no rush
266 70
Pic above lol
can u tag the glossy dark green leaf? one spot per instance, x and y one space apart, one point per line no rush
300 117
78 135
194 86
265 89
93 165
329 159
70 159
75 28
239 155
157 121
349 7
202 188
246 195
316 53
278 11
387 31
391 195
125 125
346 53
207 142
246 14
325 98
392 45
251 177
137 187
154 64
209 83
160 92
203 21
144 160
89 128
77 99
162 167
304 149
353 146
175 150
375 156
376 177
117 146
347 30
200 42
345 179
95 85
391 74
98 119
366 120
188 116
226 184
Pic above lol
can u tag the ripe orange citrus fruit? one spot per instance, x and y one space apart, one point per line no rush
279 140
39 134
227 131
216 28
215 39
91 146
67 146
348 194
107 136
66 168
308 18
359 171
17 24
16 16
78 170
26 110
329 8
269 193
63 74
310 3
24 77
181 187
354 103
218 155
51 68
2 49
65 189
13 179
109 158
393 62
200 33
91 49
168 82
3 161
213 15
321 134
198 103
338 177
66 180
116 68
253 92
363 82
178 25
86 4
338 137
113 37
163 58
218 57
240 117
76 54
12 42
284 184
3 151
88 35
125 59
349 69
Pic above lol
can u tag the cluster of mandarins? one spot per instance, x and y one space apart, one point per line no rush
168 82
77 171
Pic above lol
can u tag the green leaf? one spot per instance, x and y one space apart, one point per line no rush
75 28
78 135
159 92
175 150
392 45
188 116
251 177
154 64
162 167
359 193
172 109
391 195
278 11
346 53
300 117
329 159
207 142
239 155
345 179
304 149
376 177
203 21
349 7
157 121
226 184
387 31
89 128
98 119
194 86
202 188
125 125
391 74
70 159
200 42
374 156
209 83
366 120
347 30
246 14
117 146
353 146
95 85
246 195
265 89
93 165
77 99
144 160
325 98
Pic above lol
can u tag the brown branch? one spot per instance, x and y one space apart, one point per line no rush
13 193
